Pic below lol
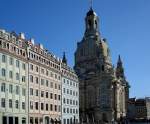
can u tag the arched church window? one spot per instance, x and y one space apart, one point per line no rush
103 68
89 23
95 23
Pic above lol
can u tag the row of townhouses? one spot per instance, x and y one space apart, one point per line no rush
36 87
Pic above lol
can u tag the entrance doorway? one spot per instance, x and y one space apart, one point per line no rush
10 120
4 120
46 120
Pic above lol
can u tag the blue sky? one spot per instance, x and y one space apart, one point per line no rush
59 25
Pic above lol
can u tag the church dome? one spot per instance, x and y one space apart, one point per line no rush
91 12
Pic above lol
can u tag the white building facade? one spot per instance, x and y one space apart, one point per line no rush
70 95
13 79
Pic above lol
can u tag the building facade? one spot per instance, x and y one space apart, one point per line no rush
103 89
70 94
31 81
44 85
139 109
13 79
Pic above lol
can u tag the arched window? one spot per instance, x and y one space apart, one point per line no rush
95 23
103 68
3 72
89 23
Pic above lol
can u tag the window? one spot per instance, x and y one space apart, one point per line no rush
37 80
67 91
55 86
11 61
59 97
55 96
55 108
17 104
51 84
42 71
103 68
76 111
23 91
70 102
64 90
23 78
47 72
36 105
46 107
64 80
31 105
31 120
71 83
64 110
59 87
70 92
37 93
37 69
55 76
17 63
17 90
10 88
31 91
51 74
64 121
42 93
70 110
36 120
23 105
17 76
42 106
76 93
31 67
23 120
3 72
10 74
67 81
3 58
42 81
46 94
31 78
67 110
51 107
3 102
64 100
51 95
3 87
76 102
23 66
47 83
59 109
10 103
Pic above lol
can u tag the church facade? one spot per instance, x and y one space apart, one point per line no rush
104 91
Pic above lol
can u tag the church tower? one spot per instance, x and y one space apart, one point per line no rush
98 78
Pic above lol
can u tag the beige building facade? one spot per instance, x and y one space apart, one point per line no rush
44 86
